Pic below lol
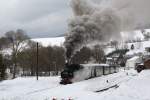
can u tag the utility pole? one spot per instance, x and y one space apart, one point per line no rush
37 60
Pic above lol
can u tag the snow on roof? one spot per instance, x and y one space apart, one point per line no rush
133 58
108 50
108 58
55 41
141 64
94 65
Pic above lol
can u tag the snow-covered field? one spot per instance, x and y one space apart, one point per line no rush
132 86
129 84
58 41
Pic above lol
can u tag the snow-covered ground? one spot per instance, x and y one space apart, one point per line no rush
132 86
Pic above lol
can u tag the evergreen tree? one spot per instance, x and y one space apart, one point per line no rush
2 68
132 47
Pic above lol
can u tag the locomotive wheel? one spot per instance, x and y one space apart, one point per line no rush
65 81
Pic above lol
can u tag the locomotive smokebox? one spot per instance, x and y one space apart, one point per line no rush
68 73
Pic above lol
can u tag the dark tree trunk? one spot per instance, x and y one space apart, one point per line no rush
23 70
49 70
32 71
14 68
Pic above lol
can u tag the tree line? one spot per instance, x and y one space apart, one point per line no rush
22 56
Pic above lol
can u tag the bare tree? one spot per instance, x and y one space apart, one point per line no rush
27 58
57 59
114 44
98 54
3 43
82 56
17 42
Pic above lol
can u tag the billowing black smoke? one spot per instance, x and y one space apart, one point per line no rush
96 22
90 25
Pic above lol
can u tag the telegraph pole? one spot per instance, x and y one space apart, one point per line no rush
37 60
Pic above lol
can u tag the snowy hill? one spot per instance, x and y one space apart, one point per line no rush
128 84
58 41
139 47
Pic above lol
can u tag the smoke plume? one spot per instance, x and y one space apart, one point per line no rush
103 20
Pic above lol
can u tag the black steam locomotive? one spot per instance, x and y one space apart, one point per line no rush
78 72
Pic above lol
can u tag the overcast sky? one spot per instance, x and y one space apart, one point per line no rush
39 18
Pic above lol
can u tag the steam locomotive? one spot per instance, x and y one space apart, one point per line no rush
78 72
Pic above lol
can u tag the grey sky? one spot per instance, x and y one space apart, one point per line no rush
39 18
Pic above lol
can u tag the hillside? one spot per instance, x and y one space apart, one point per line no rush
139 47
58 41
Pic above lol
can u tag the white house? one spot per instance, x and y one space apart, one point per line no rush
131 63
